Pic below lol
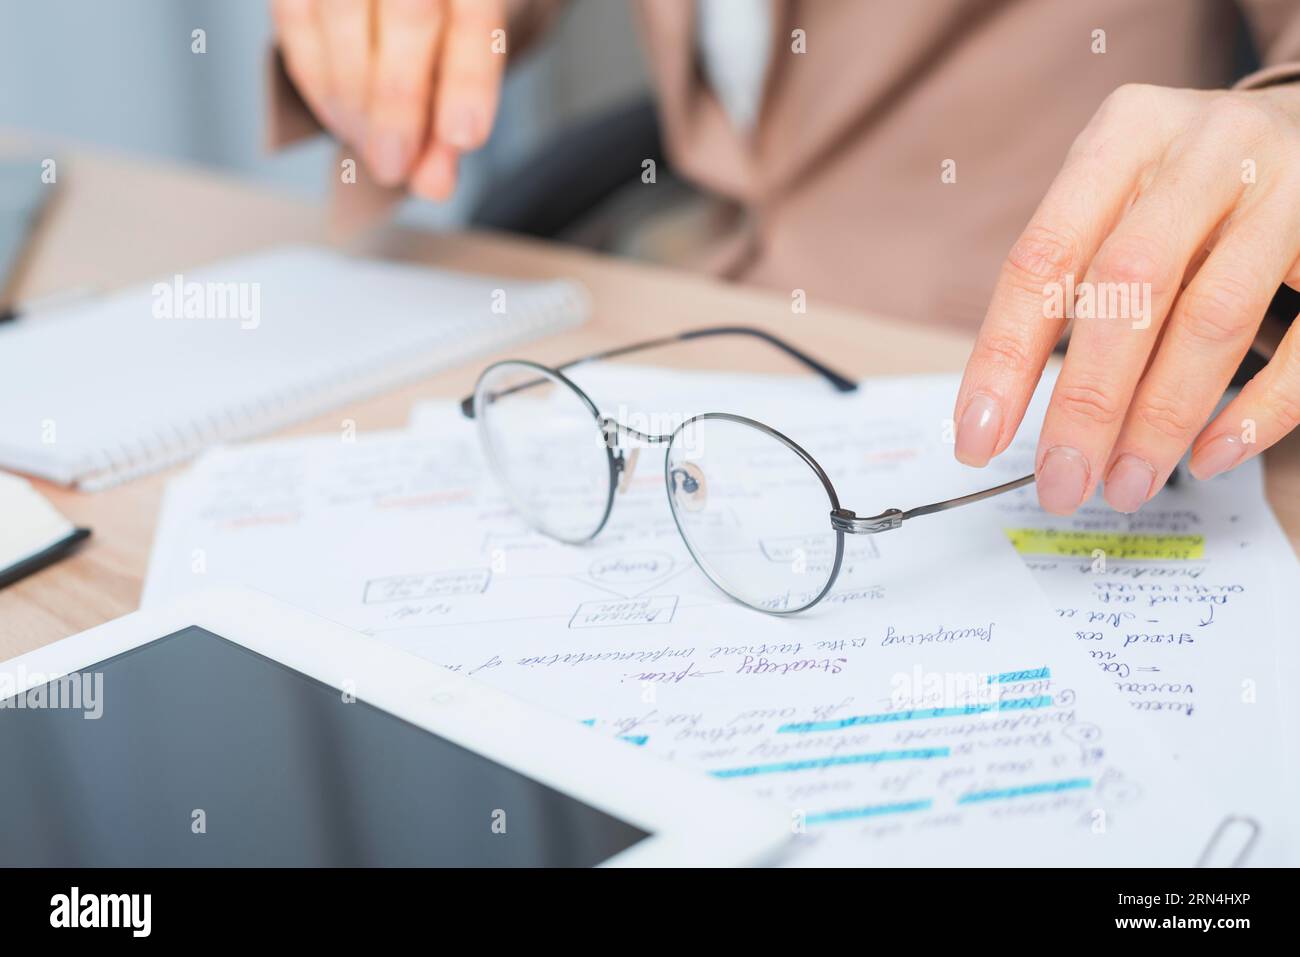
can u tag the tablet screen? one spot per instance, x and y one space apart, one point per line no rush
206 753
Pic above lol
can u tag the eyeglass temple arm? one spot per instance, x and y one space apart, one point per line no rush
844 520
840 382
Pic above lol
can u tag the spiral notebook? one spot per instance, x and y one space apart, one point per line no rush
100 392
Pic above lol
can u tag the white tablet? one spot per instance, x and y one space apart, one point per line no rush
230 729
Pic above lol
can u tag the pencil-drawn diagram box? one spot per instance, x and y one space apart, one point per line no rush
462 581
631 568
655 610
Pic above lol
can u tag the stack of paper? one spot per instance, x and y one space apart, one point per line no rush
936 708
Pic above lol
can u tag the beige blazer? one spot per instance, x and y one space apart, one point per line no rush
840 189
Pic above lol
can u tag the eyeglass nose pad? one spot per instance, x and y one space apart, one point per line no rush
689 489
626 466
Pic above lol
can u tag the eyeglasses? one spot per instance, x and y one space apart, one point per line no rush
561 463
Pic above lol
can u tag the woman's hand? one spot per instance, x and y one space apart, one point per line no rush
410 83
1173 221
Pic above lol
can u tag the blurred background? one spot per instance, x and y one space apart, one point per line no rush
577 121
120 75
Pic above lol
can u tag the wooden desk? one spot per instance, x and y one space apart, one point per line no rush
120 221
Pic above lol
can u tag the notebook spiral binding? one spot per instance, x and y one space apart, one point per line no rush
134 456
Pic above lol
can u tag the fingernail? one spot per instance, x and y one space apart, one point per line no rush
356 127
332 117
1217 455
427 186
1062 478
1128 486
978 431
436 176
388 158
462 129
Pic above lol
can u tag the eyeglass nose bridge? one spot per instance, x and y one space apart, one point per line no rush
624 460
612 429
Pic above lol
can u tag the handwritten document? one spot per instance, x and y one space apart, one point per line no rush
933 709
1188 607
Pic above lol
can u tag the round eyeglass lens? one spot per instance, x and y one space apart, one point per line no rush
543 441
755 514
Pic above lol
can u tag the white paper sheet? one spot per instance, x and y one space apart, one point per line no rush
1194 631
1188 607
1179 604
930 711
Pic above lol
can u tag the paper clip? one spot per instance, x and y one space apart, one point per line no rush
1245 834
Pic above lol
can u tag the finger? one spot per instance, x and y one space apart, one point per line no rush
299 35
469 74
402 85
1266 410
435 176
1208 333
1125 296
345 26
1020 329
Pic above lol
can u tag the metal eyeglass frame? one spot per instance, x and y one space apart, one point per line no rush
842 520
